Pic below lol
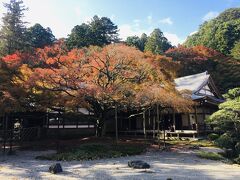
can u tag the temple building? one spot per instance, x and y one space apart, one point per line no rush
202 90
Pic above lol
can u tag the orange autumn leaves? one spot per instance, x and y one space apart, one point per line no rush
114 74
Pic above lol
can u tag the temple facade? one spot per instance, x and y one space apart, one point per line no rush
202 90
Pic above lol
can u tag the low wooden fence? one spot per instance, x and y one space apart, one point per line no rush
13 137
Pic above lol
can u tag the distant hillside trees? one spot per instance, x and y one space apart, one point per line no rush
100 31
220 33
156 43
235 52
138 42
196 59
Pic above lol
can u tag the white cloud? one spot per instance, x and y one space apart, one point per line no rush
149 19
166 21
210 15
126 30
136 22
173 38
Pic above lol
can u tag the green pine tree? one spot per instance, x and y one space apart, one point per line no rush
157 43
12 33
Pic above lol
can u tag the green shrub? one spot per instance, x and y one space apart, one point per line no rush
237 160
213 136
210 155
225 141
237 147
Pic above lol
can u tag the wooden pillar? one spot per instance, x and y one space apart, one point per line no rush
129 124
158 121
158 118
204 116
144 125
63 122
196 119
11 134
149 117
4 135
189 124
77 123
154 121
47 117
116 123
174 120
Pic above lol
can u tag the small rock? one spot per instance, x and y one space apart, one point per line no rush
55 168
229 153
138 165
194 147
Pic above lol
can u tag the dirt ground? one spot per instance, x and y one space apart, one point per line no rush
181 164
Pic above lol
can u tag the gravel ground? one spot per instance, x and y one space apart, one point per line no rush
175 165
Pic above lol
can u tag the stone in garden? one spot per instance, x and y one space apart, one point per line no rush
138 165
55 168
194 147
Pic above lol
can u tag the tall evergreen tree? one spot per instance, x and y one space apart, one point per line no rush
157 43
38 36
12 33
99 32
143 40
104 31
81 36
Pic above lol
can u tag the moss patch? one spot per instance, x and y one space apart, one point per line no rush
95 151
210 155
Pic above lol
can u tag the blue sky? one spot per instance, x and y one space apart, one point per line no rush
176 18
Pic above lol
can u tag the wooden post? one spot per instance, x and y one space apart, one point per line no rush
149 117
196 119
158 121
129 124
144 125
154 121
11 137
204 116
4 132
116 123
189 124
63 122
47 118
174 120
58 132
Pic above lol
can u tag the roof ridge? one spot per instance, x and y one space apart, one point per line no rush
193 75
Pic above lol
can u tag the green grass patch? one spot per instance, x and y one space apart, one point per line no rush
210 155
95 151
200 143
